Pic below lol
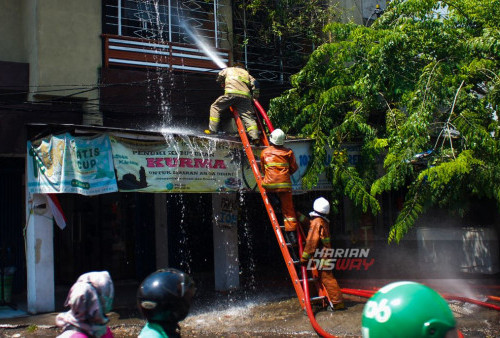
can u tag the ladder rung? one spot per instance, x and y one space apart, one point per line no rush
310 280
296 262
316 299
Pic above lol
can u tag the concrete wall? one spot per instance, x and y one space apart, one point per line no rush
226 41
60 39
11 31
351 10
358 11
39 255
68 43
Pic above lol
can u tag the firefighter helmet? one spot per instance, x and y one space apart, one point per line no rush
407 309
165 295
321 206
277 137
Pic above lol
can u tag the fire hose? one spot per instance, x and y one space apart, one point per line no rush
305 285
369 293
264 115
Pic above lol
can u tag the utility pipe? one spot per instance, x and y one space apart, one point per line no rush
119 17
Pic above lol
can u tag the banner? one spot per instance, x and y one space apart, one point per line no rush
68 164
178 164
303 154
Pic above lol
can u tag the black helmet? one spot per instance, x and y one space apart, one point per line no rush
165 295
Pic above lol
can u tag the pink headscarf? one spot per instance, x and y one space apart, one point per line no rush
89 299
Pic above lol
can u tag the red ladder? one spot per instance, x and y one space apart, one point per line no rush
301 285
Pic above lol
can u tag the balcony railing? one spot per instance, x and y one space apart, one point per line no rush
142 53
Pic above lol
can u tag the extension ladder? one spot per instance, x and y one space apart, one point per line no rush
287 249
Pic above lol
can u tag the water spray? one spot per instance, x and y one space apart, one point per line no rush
209 51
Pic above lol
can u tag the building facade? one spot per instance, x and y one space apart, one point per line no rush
129 64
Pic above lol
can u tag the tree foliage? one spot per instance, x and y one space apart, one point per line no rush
419 92
299 19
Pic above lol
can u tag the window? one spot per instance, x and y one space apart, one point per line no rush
165 20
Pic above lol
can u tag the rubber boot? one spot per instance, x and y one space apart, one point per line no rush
292 238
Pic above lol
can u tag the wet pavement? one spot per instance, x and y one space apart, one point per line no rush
268 313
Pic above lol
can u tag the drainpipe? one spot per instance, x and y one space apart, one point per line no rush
216 30
245 36
169 22
119 17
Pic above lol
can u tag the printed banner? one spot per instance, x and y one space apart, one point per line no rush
178 164
68 164
303 154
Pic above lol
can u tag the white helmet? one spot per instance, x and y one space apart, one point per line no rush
321 206
277 137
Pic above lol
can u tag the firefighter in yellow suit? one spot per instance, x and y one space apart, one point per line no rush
318 237
278 164
239 89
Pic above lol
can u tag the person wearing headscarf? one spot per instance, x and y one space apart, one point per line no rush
89 299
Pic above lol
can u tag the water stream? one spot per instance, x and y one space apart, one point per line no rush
182 139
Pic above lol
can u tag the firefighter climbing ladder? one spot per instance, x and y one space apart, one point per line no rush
301 285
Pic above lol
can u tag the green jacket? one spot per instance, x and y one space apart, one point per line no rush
152 330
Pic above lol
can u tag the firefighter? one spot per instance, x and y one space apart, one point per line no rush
318 237
164 298
239 89
408 309
278 164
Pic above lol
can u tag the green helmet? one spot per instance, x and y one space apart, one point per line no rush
409 310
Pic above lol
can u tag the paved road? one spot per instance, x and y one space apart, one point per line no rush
264 315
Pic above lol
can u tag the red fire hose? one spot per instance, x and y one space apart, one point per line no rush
472 301
494 298
369 293
305 285
264 115
319 330
361 293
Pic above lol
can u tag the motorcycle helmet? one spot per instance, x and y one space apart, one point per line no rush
407 309
165 295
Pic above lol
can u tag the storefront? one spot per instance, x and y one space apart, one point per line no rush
133 201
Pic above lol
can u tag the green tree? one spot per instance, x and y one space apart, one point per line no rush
302 19
418 90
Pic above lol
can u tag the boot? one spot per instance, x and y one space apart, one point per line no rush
336 307
292 238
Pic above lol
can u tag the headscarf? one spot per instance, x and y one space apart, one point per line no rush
89 299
